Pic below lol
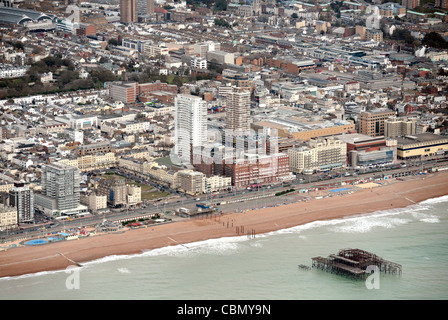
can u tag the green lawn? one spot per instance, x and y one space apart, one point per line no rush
148 192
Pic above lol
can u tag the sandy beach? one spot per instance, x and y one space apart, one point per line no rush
395 194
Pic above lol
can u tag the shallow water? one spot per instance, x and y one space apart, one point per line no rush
266 267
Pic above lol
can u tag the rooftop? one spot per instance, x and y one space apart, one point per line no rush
20 16
423 137
358 138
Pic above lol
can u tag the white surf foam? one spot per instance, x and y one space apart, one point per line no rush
228 245
435 200
30 275
123 270
225 245
388 219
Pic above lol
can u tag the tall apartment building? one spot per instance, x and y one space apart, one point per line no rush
22 198
60 189
190 117
394 127
238 110
191 182
410 4
128 11
371 123
318 155
114 189
145 7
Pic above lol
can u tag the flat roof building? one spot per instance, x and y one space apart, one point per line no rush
60 194
371 122
421 146
318 155
238 111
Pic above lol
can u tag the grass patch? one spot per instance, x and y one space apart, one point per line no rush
148 192
284 192
154 195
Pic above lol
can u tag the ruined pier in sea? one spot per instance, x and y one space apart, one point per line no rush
355 263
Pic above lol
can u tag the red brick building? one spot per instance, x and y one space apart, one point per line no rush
259 170
128 91
156 86
291 65
85 29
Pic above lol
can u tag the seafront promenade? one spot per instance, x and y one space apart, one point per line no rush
395 194
227 202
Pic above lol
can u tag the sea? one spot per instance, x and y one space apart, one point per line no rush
267 266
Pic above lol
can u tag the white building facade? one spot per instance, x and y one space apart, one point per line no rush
190 125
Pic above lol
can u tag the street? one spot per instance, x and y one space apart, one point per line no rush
225 201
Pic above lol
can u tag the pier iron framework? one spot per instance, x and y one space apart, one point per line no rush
354 263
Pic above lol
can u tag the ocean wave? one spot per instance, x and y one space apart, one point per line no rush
305 227
362 223
31 275
425 217
219 246
390 218
110 258
435 200
123 270
223 245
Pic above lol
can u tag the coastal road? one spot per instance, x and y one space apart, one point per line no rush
237 200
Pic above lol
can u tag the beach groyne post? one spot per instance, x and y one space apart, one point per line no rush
72 261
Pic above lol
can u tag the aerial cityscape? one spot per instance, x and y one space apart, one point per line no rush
134 125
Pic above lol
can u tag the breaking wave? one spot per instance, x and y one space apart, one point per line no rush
420 212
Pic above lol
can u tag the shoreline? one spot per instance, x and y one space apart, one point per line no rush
53 256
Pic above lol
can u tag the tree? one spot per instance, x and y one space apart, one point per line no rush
403 35
435 40
178 82
221 5
222 22
102 75
113 42
68 76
